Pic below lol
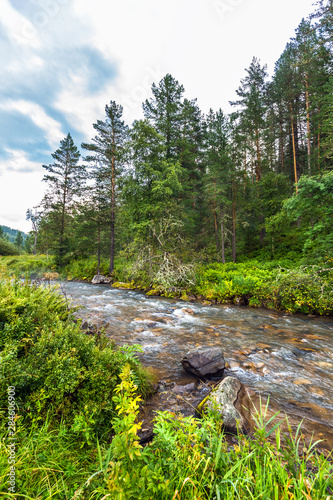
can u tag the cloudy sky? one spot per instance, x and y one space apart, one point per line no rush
63 60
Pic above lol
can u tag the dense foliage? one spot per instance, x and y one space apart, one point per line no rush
53 364
7 248
169 205
254 184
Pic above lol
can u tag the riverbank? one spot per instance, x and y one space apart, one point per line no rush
275 285
63 383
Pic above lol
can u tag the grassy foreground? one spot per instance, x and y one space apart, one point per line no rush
69 404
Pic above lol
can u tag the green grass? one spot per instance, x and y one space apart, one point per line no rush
275 285
188 459
26 265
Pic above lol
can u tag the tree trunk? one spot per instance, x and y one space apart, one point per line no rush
308 123
35 243
318 147
245 173
281 146
113 203
63 212
233 222
98 248
258 162
294 147
216 234
222 237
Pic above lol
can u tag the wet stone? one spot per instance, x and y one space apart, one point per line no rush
181 389
204 361
232 400
266 326
100 279
188 310
233 366
302 381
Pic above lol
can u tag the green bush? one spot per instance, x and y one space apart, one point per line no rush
85 269
53 364
7 248
190 458
273 284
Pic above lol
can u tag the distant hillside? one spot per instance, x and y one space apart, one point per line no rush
11 233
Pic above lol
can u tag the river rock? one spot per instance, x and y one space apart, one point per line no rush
100 279
233 401
181 389
188 310
204 361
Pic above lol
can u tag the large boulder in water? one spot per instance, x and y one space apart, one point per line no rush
100 279
204 361
234 402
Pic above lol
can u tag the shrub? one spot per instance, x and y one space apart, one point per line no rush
7 248
53 364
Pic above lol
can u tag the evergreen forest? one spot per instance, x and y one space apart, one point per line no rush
211 207
180 186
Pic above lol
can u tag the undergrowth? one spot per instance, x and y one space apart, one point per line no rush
188 459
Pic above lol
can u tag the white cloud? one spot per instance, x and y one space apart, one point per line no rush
19 162
52 129
18 192
21 31
205 44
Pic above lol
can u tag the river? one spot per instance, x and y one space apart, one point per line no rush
288 357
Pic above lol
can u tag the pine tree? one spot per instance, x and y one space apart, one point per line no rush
310 59
152 183
252 107
163 111
192 167
19 240
107 160
218 178
3 234
93 222
65 179
327 124
324 23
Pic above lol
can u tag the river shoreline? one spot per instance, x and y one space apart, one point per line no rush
192 298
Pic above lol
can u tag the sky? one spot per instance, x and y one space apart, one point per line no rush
62 61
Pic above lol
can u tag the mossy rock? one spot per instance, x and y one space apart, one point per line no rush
170 295
153 293
124 286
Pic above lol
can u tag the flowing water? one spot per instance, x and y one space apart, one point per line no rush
288 357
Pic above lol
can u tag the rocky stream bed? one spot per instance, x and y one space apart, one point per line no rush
286 358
